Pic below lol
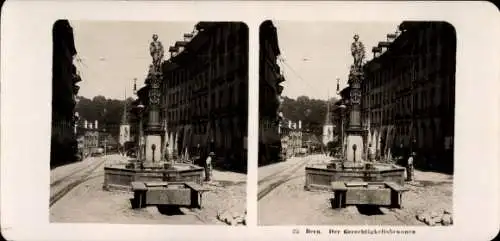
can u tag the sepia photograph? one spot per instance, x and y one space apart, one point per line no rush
149 122
356 123
258 120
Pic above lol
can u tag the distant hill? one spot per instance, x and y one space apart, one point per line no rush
311 112
107 111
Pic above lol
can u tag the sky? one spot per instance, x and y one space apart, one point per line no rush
317 53
114 53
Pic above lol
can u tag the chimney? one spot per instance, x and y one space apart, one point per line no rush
383 45
96 122
173 51
391 37
188 37
376 51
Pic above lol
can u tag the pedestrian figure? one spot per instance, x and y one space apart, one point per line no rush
208 166
409 167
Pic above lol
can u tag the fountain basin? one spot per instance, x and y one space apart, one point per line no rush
320 176
120 176
367 193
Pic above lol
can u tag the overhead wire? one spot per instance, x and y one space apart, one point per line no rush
282 60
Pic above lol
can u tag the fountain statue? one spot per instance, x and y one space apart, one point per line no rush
157 52
358 53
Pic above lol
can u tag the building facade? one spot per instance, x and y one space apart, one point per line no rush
270 77
291 138
88 137
408 96
64 146
205 92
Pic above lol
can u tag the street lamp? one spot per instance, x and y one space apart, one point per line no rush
140 108
105 140
342 108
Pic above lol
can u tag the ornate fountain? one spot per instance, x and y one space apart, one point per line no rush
351 167
153 162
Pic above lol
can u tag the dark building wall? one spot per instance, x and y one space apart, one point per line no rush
409 93
205 92
270 90
64 77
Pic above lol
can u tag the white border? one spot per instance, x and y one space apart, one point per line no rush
26 97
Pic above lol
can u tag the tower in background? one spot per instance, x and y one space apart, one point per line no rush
124 127
328 125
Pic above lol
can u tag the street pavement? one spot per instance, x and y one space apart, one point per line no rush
282 198
290 204
88 202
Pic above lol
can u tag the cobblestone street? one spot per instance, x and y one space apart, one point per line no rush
88 202
431 192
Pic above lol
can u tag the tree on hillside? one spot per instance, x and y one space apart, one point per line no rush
108 112
311 112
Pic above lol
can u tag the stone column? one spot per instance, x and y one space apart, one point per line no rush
355 144
154 132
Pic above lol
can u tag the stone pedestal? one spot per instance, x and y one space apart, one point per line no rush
153 154
354 152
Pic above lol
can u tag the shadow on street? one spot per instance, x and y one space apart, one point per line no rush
369 210
229 168
169 210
